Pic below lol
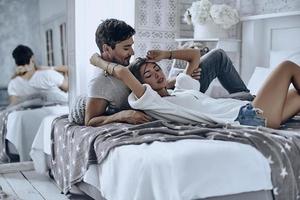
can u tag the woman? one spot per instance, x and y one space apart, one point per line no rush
273 105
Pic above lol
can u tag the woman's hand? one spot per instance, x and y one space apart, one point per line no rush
196 74
157 55
109 68
97 61
61 68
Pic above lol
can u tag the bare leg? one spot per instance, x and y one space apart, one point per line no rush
274 99
292 105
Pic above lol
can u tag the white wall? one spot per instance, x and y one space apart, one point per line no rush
272 6
19 24
51 9
246 7
85 17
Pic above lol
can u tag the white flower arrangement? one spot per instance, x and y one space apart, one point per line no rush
203 11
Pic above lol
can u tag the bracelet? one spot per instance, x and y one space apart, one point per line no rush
110 69
171 55
106 70
113 68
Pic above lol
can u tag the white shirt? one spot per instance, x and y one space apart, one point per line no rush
20 87
41 81
186 104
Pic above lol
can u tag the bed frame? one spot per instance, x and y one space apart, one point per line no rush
261 195
262 34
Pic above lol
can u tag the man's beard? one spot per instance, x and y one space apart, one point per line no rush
124 62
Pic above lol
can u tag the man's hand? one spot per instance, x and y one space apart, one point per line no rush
95 109
59 68
134 117
196 74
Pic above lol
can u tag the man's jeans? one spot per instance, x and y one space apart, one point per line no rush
216 64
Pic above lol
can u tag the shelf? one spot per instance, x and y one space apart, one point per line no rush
193 39
271 15
205 40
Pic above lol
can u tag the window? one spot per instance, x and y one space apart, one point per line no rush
49 46
54 34
62 30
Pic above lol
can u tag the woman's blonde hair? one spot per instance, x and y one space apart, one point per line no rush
21 70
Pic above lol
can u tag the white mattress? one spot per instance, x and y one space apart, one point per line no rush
186 169
22 127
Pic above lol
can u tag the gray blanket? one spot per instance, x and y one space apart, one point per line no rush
3 130
75 147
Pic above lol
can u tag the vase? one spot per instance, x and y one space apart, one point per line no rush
209 30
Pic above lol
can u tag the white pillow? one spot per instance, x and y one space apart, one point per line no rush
276 57
258 78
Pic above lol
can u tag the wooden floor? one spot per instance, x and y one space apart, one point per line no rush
26 184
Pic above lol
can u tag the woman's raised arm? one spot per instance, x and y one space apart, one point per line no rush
120 72
192 56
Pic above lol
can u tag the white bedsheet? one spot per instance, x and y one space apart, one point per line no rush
22 127
41 146
180 170
186 169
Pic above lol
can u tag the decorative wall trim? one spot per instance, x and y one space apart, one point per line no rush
156 27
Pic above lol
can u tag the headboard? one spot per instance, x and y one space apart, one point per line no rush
265 35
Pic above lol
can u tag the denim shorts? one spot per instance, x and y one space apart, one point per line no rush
250 116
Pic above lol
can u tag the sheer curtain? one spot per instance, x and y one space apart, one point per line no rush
83 20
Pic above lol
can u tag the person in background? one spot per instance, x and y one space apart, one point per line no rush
29 79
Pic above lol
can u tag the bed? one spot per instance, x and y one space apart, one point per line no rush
162 160
19 125
22 127
219 157
223 166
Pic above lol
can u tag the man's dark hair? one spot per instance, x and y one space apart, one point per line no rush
111 32
22 55
135 67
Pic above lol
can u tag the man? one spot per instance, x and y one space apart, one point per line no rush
107 96
31 80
